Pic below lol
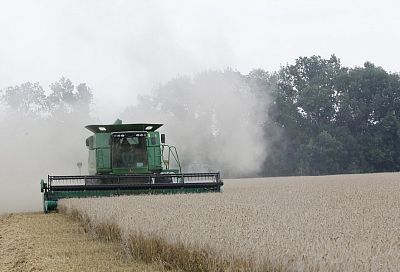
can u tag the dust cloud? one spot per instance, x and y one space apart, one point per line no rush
214 118
33 148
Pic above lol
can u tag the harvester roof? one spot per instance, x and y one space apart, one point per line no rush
122 127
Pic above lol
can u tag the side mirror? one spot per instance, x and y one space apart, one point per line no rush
163 138
87 142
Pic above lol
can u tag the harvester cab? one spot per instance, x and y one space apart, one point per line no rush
128 159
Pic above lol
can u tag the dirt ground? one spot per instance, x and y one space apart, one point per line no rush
53 242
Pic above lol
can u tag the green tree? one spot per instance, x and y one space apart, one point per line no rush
335 119
305 104
369 107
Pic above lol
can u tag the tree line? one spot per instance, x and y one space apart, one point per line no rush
31 101
331 119
321 117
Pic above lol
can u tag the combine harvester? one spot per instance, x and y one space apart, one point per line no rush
127 159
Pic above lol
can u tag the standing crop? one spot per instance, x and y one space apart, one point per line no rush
331 223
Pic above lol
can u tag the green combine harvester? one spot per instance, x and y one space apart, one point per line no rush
128 159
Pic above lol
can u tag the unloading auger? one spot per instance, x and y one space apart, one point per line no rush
127 159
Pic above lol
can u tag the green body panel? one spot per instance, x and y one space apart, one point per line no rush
51 198
103 162
102 153
102 140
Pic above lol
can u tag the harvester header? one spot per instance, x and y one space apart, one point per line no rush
128 159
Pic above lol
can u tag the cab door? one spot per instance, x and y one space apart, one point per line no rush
154 151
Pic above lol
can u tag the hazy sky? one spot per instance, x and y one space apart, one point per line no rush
125 48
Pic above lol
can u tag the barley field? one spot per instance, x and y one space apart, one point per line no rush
329 223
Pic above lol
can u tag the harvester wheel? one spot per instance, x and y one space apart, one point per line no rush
44 205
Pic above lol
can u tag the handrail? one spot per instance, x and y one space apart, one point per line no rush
171 151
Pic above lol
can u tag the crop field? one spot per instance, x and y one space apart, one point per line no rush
329 223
